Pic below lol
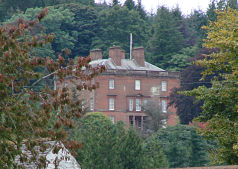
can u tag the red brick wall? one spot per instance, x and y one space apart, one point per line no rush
124 89
124 86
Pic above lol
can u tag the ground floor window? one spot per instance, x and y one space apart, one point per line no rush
112 119
131 120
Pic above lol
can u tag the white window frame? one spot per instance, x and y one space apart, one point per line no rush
111 104
91 104
130 104
163 86
137 84
111 84
164 106
138 105
112 118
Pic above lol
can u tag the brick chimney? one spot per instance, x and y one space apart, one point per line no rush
138 54
116 54
96 54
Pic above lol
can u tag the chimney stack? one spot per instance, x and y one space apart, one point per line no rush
138 54
96 54
116 54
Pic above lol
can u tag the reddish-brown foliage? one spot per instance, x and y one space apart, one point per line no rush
28 115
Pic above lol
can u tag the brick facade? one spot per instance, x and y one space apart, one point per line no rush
127 84
124 72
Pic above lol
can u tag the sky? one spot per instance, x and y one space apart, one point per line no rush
186 6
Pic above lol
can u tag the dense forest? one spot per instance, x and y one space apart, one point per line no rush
171 40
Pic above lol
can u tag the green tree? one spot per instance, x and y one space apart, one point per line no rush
220 5
166 40
10 7
130 4
220 100
28 116
132 150
115 2
105 145
195 21
180 61
96 134
84 26
116 24
141 10
52 23
155 158
182 146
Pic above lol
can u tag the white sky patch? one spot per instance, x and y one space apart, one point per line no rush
186 6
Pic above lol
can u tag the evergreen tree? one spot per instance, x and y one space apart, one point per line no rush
130 4
84 26
155 157
195 21
167 39
132 150
140 9
115 26
182 146
115 2
108 145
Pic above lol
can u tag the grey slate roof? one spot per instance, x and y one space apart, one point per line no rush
126 64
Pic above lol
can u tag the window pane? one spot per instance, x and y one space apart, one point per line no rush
111 104
137 84
164 86
145 102
164 106
111 84
138 105
130 104
131 120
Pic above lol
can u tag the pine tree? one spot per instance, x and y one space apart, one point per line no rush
115 2
140 9
130 4
167 39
